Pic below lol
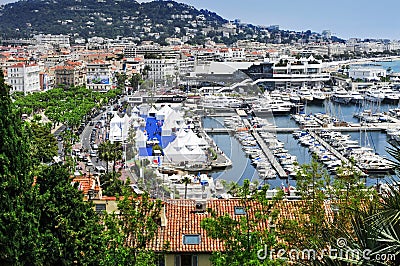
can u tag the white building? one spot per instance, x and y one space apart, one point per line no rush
99 76
367 74
61 40
25 78
162 71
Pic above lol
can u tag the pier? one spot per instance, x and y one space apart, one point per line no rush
340 129
271 158
332 150
219 130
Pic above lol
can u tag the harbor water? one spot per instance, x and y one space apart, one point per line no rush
243 169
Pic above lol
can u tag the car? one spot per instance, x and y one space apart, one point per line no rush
91 123
89 163
85 159
59 138
93 154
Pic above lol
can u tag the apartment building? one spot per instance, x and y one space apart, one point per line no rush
23 77
70 74
99 76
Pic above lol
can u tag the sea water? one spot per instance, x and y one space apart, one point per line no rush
243 169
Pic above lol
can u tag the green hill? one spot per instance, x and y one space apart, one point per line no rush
104 18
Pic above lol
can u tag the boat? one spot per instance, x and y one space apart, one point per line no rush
341 95
305 95
356 96
318 95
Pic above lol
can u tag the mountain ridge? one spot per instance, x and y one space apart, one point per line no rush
154 21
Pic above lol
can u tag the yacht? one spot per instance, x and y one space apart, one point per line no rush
318 95
341 95
294 97
220 102
268 106
305 94
356 96
374 95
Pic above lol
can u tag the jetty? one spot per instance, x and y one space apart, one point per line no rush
271 158
382 127
332 150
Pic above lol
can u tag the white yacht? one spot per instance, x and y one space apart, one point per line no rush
340 95
356 96
318 95
374 95
219 102
305 94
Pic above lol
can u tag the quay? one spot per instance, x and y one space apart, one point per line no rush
271 158
340 129
219 130
293 129
333 151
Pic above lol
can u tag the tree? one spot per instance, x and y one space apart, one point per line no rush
244 236
18 212
145 71
69 229
186 180
44 144
129 233
121 78
104 152
135 81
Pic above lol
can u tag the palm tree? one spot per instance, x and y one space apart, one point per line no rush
116 153
186 180
145 71
105 152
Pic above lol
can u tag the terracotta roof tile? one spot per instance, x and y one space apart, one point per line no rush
183 219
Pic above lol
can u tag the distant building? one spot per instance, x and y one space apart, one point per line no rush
326 34
289 73
23 77
162 71
99 76
60 40
367 74
70 74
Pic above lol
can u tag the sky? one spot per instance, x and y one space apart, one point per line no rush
344 18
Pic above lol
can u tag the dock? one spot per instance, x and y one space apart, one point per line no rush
293 129
271 158
332 150
219 130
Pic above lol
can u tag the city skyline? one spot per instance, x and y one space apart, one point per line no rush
345 19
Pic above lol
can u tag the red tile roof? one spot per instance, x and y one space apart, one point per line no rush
183 219
86 183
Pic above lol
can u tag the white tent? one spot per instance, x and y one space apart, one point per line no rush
163 112
175 116
185 148
168 127
135 111
176 155
141 139
119 127
152 112
116 120
115 134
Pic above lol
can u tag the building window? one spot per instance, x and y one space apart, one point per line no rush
100 208
191 239
240 210
186 260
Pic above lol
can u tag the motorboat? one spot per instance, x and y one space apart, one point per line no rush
341 95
